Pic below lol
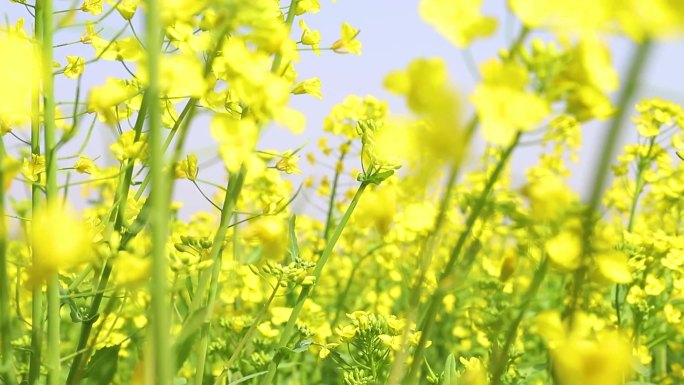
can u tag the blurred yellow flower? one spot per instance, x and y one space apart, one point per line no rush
503 105
460 21
59 240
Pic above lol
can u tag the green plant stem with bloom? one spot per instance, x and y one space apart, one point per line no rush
637 64
286 333
248 335
234 188
501 356
436 297
115 224
185 118
642 164
159 293
333 193
471 127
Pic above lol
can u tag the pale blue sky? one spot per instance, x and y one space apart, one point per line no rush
392 34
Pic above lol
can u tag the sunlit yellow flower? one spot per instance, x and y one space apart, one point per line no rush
85 165
75 66
310 37
309 86
307 6
126 147
105 99
187 168
348 43
94 7
288 163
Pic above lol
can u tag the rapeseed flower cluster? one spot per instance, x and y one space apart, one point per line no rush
409 252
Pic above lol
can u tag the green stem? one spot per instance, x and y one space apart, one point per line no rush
436 298
500 365
642 165
333 193
637 65
159 216
53 340
37 291
234 188
306 291
248 335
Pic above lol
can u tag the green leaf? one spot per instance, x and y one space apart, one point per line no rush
294 247
450 373
191 328
302 346
102 366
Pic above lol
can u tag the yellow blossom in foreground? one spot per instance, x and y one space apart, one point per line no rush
236 138
18 77
171 85
105 99
503 105
581 357
565 250
59 240
471 24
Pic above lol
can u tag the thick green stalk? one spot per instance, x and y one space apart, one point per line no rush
6 363
600 179
37 291
436 298
306 291
159 306
53 340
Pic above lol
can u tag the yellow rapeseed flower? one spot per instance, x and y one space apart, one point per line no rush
75 67
348 43
503 105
